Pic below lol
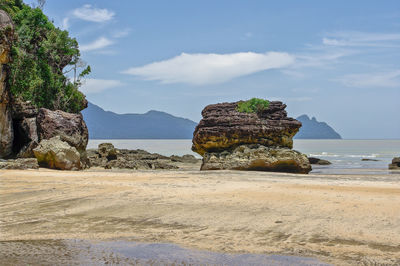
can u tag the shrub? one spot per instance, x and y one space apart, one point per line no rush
253 105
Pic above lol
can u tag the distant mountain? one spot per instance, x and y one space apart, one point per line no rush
151 125
312 129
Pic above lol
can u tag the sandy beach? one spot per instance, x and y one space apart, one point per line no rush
338 219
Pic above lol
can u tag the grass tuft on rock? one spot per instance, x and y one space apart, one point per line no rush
253 105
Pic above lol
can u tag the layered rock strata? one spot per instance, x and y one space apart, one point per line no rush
6 126
229 139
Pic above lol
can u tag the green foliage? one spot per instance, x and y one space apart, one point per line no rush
253 105
41 57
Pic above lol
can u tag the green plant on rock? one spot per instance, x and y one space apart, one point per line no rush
42 56
253 105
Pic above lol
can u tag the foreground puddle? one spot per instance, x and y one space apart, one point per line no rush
80 252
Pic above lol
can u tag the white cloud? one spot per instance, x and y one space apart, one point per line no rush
100 43
89 13
201 69
389 79
122 33
65 24
361 39
91 86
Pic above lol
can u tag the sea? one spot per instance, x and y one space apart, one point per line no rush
346 156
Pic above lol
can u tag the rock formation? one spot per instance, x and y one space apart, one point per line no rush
6 127
55 153
395 165
229 139
108 157
70 127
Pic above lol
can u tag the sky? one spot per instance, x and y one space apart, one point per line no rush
336 60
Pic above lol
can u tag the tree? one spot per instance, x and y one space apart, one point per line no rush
40 56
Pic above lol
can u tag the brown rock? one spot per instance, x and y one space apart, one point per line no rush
223 127
70 127
395 165
318 161
20 164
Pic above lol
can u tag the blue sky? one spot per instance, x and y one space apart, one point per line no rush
336 60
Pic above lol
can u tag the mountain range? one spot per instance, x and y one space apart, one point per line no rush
160 125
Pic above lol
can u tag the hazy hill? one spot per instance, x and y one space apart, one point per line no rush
160 125
312 129
151 125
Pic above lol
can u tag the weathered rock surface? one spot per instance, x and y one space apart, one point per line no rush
318 161
257 157
26 137
55 153
188 158
223 127
70 127
6 127
19 164
23 109
229 139
395 165
107 156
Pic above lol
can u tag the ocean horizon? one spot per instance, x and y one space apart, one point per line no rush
343 153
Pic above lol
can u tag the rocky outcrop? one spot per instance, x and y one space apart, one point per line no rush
6 126
318 161
256 157
223 127
55 153
19 164
70 127
108 157
229 139
395 165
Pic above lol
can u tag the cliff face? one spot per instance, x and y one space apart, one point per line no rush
224 127
232 140
6 127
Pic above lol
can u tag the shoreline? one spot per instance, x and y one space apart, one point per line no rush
340 219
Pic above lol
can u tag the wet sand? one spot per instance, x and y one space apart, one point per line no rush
338 219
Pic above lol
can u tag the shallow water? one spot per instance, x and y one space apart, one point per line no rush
344 154
81 252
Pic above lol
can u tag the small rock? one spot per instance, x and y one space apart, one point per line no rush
318 161
395 165
369 160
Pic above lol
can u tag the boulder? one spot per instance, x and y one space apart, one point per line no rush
55 153
257 157
70 127
107 151
20 164
224 127
395 165
318 161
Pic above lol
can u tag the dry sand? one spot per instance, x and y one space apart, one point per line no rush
340 219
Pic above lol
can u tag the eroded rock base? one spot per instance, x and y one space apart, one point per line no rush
257 158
